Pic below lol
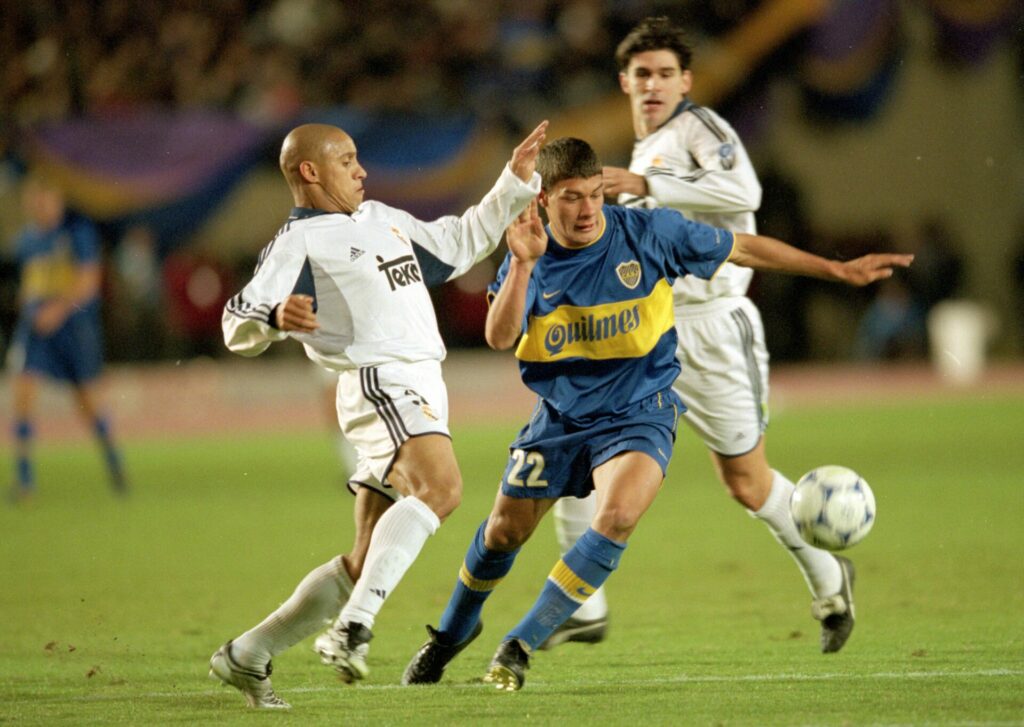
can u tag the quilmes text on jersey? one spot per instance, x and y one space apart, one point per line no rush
591 328
619 329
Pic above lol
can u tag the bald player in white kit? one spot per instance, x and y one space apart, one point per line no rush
348 279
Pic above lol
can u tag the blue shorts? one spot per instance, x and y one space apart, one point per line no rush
551 457
74 352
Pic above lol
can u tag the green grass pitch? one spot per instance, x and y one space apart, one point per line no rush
109 610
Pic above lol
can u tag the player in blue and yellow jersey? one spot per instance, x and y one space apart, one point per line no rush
58 334
688 158
590 302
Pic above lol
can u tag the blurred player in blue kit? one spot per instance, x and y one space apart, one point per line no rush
689 159
589 301
58 334
348 279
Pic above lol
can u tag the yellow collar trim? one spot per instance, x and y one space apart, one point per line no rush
603 225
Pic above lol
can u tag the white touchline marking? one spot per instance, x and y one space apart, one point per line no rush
540 685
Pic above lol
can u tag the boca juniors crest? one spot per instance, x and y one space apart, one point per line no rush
629 273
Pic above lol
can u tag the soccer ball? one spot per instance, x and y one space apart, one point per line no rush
833 507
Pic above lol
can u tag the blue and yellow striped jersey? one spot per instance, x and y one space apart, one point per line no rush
49 259
598 334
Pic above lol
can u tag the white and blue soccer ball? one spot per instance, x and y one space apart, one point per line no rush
833 507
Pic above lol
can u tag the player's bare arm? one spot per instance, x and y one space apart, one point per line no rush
295 313
622 181
527 242
769 254
524 156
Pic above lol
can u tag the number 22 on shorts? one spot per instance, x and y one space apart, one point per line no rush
535 460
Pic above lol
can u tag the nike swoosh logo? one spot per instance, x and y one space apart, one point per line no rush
552 294
585 591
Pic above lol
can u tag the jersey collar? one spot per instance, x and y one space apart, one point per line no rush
560 247
301 213
682 106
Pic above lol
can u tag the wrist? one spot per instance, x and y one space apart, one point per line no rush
519 266
521 173
836 270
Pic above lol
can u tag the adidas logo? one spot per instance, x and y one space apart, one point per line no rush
354 254
379 592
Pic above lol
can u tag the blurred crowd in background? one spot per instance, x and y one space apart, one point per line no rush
266 59
504 65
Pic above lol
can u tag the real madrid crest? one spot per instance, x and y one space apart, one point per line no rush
629 273
400 235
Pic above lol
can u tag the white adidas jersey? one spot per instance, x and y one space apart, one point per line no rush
695 163
368 274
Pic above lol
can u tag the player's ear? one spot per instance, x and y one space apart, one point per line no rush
687 79
542 199
308 172
624 82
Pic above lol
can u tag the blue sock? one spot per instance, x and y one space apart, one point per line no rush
23 435
113 458
572 581
480 574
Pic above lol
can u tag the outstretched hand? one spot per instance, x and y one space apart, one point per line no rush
295 313
524 156
870 268
622 181
526 237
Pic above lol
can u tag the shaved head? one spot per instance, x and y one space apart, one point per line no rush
306 143
319 163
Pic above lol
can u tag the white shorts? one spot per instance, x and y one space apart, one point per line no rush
326 377
724 378
382 407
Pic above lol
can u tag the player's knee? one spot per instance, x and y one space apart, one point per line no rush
442 497
616 522
505 533
747 489
439 488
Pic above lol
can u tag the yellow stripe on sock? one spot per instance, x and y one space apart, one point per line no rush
476 584
571 584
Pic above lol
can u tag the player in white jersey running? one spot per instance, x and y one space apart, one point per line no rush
688 158
348 279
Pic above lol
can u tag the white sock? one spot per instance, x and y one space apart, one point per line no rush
819 567
397 539
315 601
573 516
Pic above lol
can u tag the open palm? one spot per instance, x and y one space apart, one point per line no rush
526 237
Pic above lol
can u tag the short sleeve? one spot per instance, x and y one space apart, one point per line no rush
84 240
495 286
688 247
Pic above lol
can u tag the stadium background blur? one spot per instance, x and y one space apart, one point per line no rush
874 124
